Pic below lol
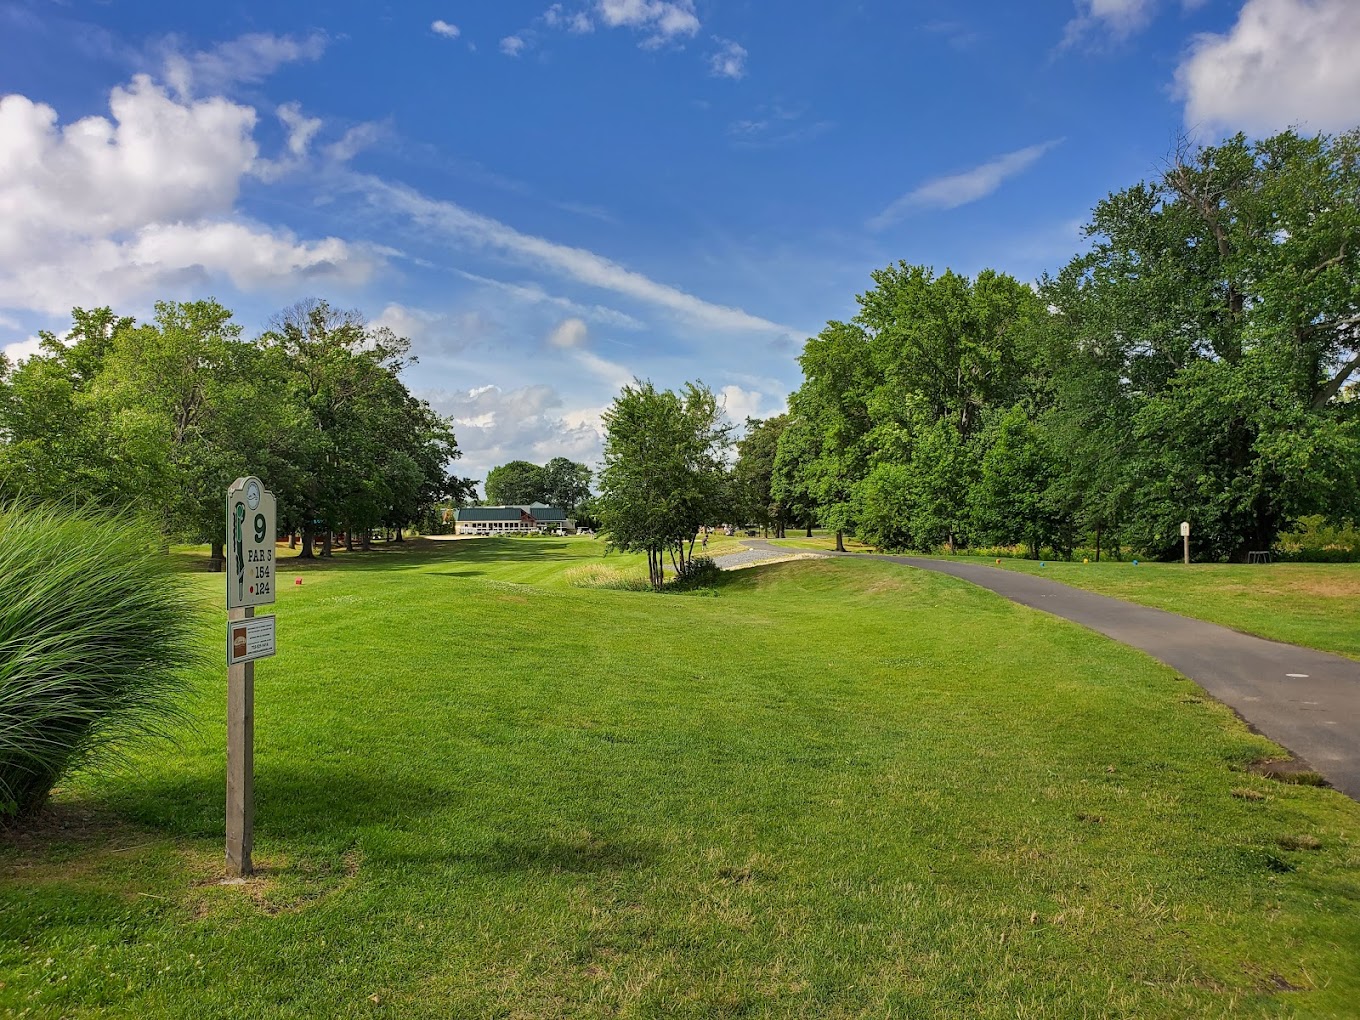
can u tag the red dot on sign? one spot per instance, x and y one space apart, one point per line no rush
252 589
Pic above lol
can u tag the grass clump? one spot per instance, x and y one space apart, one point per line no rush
97 633
600 577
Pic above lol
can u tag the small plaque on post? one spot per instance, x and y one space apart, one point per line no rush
248 640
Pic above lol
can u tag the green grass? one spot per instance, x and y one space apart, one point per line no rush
836 789
1311 604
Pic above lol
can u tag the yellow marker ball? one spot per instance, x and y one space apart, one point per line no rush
1086 561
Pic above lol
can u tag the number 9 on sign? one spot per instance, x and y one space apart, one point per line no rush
261 527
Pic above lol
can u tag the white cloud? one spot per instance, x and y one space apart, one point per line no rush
441 27
23 349
494 426
569 334
729 61
434 332
741 404
610 372
355 141
577 22
532 294
579 264
301 131
1284 62
512 45
249 59
663 20
1118 18
109 210
954 190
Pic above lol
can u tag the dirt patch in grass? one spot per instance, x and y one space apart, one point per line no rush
1299 843
1289 770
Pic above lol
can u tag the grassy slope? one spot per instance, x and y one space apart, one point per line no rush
1313 604
836 789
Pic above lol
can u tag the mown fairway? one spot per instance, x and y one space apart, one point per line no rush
831 788
1311 604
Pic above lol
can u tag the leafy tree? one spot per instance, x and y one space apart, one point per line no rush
56 436
566 485
1235 272
798 448
198 404
1014 500
518 483
362 451
663 475
753 474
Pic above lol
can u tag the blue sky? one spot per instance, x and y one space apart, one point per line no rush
551 198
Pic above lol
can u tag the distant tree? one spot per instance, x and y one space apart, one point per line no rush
566 485
518 483
798 449
362 450
753 474
663 475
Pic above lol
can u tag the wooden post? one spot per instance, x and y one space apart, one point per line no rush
1186 540
240 759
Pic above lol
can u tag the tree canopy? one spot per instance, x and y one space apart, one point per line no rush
1192 364
158 418
664 475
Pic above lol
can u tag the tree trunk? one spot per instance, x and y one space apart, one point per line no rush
809 529
840 545
292 539
366 542
950 543
326 540
349 538
1097 543
217 558
307 538
399 538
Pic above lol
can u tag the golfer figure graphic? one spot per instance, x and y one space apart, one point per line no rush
238 518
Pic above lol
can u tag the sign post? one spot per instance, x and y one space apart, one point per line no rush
1185 539
250 583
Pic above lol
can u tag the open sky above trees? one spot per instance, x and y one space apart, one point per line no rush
551 199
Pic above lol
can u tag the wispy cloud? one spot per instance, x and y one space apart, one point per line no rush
775 125
579 264
729 61
954 190
447 29
532 294
512 45
247 59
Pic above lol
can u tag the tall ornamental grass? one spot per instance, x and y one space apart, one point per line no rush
99 637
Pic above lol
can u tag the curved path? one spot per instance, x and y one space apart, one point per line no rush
1307 700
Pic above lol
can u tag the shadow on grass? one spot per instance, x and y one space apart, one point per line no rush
414 552
321 803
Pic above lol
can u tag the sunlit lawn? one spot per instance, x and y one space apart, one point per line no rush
1313 604
833 788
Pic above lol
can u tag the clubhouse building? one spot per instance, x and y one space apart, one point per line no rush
510 520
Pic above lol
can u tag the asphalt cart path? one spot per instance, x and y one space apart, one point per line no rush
1307 700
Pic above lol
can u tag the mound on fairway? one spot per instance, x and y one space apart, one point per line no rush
826 789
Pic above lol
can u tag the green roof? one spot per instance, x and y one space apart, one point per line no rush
540 512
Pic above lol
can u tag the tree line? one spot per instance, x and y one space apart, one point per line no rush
1195 363
157 418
